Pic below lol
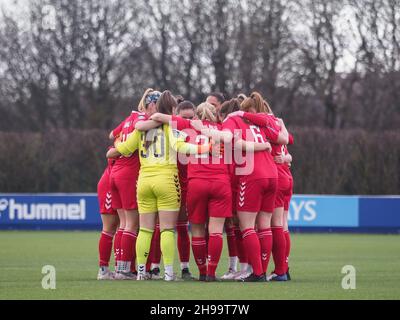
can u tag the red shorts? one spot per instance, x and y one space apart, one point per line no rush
234 186
123 191
256 195
288 196
207 198
283 191
104 194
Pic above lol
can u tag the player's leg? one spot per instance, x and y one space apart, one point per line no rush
242 255
147 223
279 241
264 233
286 232
288 242
199 248
197 215
251 242
264 221
147 204
110 225
215 244
183 238
154 258
117 205
168 194
248 204
128 243
219 209
232 249
127 192
167 241
117 240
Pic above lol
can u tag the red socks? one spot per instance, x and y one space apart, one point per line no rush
117 245
241 252
128 248
279 250
231 240
183 241
199 248
215 242
105 247
287 238
265 236
252 245
155 249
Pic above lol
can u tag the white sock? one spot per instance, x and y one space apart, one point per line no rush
233 263
141 268
169 270
184 265
119 266
244 267
154 265
104 269
250 269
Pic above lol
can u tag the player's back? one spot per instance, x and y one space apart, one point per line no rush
156 153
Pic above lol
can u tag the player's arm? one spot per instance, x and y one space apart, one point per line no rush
112 153
177 142
283 158
283 136
215 134
252 146
278 135
146 125
127 147
114 134
291 139
160 117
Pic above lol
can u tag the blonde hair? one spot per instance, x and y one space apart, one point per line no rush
255 101
268 107
142 102
206 111
241 96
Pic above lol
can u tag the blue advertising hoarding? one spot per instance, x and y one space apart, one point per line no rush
323 211
306 212
49 211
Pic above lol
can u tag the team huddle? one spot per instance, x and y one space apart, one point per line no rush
220 166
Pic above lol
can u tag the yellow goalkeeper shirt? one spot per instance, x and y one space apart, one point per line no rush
157 149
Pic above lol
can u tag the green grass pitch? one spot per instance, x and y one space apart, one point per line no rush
316 264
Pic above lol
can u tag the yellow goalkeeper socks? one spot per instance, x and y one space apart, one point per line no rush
143 244
167 244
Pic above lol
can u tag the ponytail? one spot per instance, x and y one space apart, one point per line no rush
206 111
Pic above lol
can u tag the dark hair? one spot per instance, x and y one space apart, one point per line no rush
184 105
166 102
179 98
220 97
230 106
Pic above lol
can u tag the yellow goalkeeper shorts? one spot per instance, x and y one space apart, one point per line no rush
158 193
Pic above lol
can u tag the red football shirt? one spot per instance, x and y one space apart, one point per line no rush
283 169
257 165
268 122
126 127
202 166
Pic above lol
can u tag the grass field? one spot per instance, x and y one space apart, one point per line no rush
316 264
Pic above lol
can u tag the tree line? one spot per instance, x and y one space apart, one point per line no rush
325 161
85 64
